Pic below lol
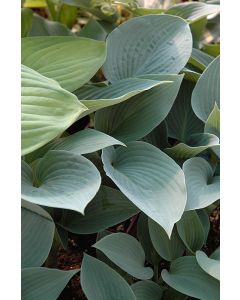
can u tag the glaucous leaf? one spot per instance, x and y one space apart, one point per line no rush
107 283
168 248
204 219
108 208
151 44
187 277
147 290
150 179
127 253
212 124
149 109
97 97
181 120
203 188
158 137
191 231
196 144
61 179
209 265
207 91
93 30
193 11
46 108
43 283
72 61
37 231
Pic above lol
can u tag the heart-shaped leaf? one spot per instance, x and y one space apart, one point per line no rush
150 44
196 144
43 283
107 283
37 234
168 248
97 97
202 188
181 120
108 208
147 290
209 265
191 231
61 179
150 179
72 61
187 277
47 110
207 91
149 109
127 253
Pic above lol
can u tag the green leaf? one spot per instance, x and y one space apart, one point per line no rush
207 91
81 142
43 27
35 3
47 110
187 277
193 11
191 231
150 179
127 253
168 248
204 219
158 137
93 30
216 254
97 97
144 238
203 188
107 283
181 120
198 29
191 73
43 283
196 144
26 21
148 109
36 234
212 124
108 208
147 290
209 265
211 49
171 294
200 59
61 179
72 61
150 44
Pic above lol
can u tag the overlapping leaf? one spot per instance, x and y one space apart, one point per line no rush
43 283
150 179
47 109
187 277
61 179
71 61
150 44
107 283
127 253
36 234
209 265
168 248
202 187
97 97
109 207
148 109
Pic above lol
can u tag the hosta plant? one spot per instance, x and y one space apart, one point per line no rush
120 150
